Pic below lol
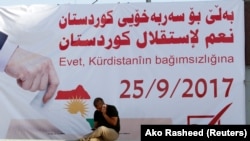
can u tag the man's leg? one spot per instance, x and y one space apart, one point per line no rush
95 139
88 137
103 133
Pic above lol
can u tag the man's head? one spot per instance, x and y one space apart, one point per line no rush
98 103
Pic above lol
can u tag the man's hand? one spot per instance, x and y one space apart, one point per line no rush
104 109
33 72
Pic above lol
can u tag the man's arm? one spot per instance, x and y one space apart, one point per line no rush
111 120
95 124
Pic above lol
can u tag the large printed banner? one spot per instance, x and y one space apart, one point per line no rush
158 63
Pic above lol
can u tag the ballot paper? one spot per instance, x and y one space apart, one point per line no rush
37 102
60 124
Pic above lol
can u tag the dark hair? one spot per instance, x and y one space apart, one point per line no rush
98 99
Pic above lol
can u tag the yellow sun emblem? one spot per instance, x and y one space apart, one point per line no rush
77 105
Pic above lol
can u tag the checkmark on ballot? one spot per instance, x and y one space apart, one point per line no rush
219 114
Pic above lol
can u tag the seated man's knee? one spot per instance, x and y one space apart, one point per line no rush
102 128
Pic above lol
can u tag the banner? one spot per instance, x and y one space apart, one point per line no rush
158 63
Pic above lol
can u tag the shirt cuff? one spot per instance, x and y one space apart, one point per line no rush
5 53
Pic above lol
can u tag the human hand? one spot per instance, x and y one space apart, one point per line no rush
104 108
33 72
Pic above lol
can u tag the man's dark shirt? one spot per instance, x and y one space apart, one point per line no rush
111 112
